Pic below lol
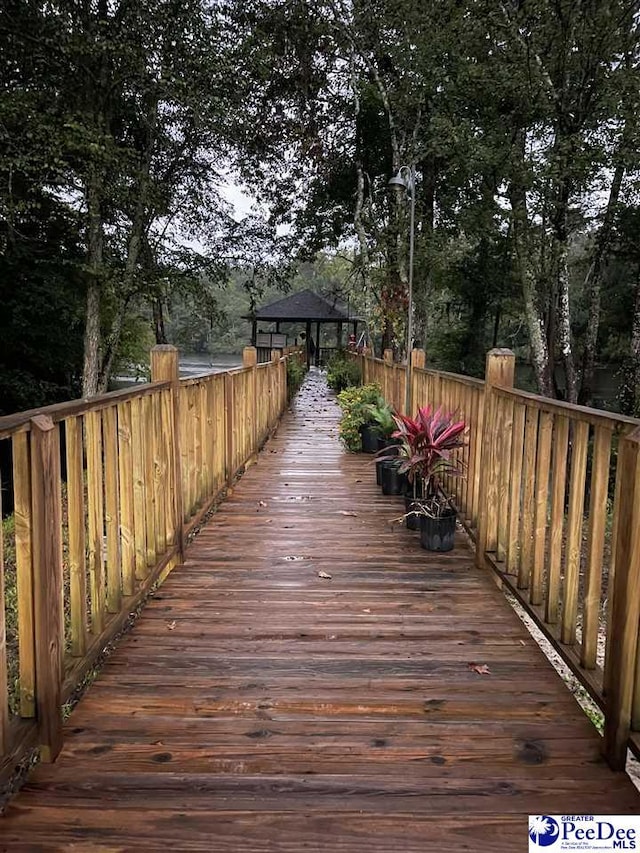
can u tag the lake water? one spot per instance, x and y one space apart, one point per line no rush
191 364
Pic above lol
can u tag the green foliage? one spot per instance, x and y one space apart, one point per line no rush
296 372
354 401
380 414
11 608
342 372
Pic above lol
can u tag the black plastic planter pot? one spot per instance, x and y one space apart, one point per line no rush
393 482
369 438
379 473
391 446
437 534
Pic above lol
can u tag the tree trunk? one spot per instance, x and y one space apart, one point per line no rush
564 152
112 348
593 283
158 321
635 352
92 332
564 322
533 315
630 390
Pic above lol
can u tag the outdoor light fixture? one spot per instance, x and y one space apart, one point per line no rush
406 178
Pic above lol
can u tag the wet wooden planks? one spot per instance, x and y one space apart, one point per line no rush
258 707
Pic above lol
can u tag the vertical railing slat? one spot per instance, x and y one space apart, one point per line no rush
48 584
515 489
95 519
577 480
558 490
595 546
4 671
77 544
126 502
543 465
139 522
24 571
622 639
112 509
528 497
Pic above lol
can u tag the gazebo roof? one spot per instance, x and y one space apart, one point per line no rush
302 306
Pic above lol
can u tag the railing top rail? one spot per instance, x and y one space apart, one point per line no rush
200 377
456 377
210 374
19 422
571 410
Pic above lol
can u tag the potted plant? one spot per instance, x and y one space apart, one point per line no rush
377 431
354 401
428 444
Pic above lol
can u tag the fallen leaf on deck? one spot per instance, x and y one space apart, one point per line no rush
522 643
262 503
293 558
366 611
480 668
358 481
345 512
324 575
171 625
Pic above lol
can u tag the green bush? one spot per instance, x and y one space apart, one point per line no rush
354 402
295 375
380 414
342 372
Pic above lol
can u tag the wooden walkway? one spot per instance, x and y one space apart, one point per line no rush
256 706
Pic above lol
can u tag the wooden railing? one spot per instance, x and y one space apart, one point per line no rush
102 493
552 498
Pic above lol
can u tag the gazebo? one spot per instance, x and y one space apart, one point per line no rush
304 307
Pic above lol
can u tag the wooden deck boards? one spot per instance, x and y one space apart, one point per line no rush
258 707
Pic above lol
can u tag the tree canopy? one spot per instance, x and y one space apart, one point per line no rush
120 121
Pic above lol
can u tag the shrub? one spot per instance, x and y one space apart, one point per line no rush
354 401
342 372
295 375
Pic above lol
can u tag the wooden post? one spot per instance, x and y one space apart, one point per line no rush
228 428
388 356
47 571
622 636
417 360
365 366
250 359
164 367
500 371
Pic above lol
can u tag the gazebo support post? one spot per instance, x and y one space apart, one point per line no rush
254 332
339 335
308 344
317 343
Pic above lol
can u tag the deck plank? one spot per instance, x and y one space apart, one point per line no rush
258 707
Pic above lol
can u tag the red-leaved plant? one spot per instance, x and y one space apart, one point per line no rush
428 444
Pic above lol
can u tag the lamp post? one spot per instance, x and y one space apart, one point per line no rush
406 178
